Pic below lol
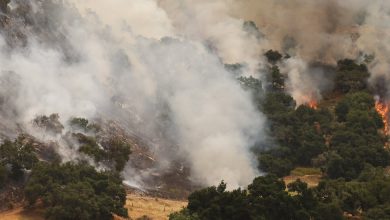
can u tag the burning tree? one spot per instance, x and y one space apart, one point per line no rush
382 107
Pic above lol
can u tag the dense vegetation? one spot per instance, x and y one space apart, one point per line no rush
76 191
342 137
268 198
68 190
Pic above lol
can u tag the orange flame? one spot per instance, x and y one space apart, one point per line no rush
313 104
383 110
309 100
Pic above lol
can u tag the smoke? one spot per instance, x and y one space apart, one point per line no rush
375 35
125 61
140 17
314 30
156 66
212 22
321 31
306 82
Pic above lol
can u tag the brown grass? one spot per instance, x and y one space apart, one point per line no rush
311 180
155 208
22 214
311 176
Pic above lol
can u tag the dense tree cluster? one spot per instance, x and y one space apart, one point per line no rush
266 198
68 191
356 141
76 191
340 140
298 133
347 139
351 77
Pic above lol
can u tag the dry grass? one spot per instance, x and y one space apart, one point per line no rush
311 180
22 214
138 206
311 176
155 208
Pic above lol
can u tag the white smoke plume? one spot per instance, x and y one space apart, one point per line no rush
211 21
299 82
125 61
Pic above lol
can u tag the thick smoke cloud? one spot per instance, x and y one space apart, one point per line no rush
323 31
123 60
212 22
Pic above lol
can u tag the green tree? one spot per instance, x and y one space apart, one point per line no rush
273 56
276 79
114 152
76 191
266 198
184 214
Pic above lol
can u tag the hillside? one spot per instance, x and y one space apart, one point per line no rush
195 109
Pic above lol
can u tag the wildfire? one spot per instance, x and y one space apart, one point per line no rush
309 100
313 104
383 110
